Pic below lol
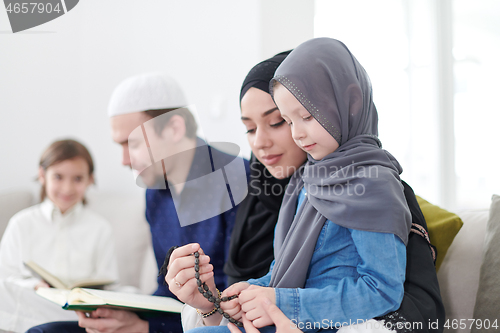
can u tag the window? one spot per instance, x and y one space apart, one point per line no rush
434 95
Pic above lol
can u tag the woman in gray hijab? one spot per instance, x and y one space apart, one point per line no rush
340 254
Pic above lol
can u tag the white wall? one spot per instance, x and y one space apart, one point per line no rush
56 79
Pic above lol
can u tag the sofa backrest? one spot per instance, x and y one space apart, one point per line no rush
10 203
126 213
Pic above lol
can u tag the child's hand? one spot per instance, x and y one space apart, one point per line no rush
181 280
283 324
233 307
252 300
42 284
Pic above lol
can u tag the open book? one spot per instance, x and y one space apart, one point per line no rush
57 283
83 299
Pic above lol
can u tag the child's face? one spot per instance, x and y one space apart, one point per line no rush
268 135
66 182
307 133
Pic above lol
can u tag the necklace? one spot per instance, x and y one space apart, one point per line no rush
205 291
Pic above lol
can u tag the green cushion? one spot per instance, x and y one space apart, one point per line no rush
443 227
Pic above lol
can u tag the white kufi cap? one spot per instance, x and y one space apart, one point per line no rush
151 91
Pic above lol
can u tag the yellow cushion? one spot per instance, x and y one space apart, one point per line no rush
443 227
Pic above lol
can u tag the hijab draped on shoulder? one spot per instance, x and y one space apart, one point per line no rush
251 245
358 185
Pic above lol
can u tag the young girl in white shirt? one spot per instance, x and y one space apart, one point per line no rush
60 234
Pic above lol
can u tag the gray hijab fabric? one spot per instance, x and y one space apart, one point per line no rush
358 185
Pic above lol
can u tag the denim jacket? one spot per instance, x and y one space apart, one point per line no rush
353 275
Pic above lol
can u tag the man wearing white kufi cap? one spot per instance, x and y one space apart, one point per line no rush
188 182
133 106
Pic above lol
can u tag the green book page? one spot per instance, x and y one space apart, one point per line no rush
83 299
92 298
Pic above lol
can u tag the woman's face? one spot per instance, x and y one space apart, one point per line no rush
268 134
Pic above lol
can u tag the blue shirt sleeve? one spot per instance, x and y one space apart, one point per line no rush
378 289
264 280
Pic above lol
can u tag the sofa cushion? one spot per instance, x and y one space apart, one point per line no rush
443 227
459 273
487 306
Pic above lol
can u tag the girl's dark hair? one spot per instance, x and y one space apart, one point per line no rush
63 150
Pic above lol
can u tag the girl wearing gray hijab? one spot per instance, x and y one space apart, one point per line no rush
340 240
